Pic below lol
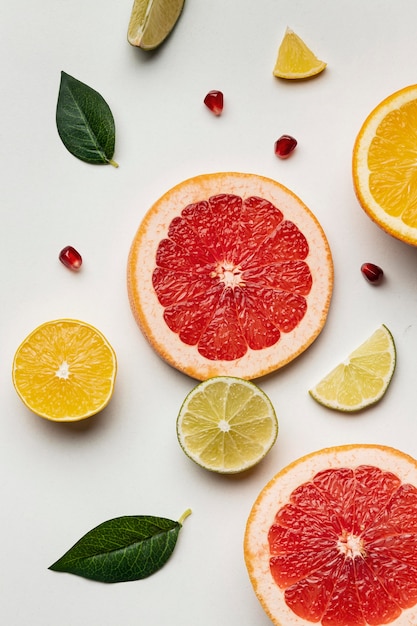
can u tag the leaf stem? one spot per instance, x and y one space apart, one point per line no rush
113 163
184 516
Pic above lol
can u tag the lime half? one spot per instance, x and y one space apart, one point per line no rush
227 424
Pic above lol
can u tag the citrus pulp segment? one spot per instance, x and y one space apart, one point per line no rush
332 539
295 60
65 370
384 165
227 425
151 22
229 274
363 378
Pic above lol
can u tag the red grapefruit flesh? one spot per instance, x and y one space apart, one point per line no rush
230 274
332 539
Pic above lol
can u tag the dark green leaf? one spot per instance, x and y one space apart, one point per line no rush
122 549
85 122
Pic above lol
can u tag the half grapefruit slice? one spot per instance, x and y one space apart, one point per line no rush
230 274
332 539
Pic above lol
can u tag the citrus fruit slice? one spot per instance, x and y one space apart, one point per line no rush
151 21
384 172
363 378
229 274
227 425
332 539
65 370
295 60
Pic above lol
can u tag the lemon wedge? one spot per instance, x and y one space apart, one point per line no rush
295 59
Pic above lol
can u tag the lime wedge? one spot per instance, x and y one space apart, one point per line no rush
227 424
151 22
363 378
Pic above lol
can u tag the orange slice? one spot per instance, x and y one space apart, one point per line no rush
229 274
384 165
65 370
332 539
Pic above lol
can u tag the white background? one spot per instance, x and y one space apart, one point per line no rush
58 481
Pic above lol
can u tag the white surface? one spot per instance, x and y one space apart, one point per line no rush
58 481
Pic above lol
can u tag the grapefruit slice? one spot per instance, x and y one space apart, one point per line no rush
332 539
229 274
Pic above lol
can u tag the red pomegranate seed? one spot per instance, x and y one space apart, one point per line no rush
214 101
373 273
70 258
284 146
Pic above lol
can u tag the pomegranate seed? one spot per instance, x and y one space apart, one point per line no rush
373 273
70 258
284 146
214 101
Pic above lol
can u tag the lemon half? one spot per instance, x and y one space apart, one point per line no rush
65 370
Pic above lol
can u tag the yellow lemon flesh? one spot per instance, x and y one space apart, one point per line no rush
295 59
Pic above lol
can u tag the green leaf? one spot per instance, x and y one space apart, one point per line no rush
122 549
85 122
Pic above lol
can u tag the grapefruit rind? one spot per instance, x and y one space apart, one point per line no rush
199 429
277 493
334 392
360 169
148 312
